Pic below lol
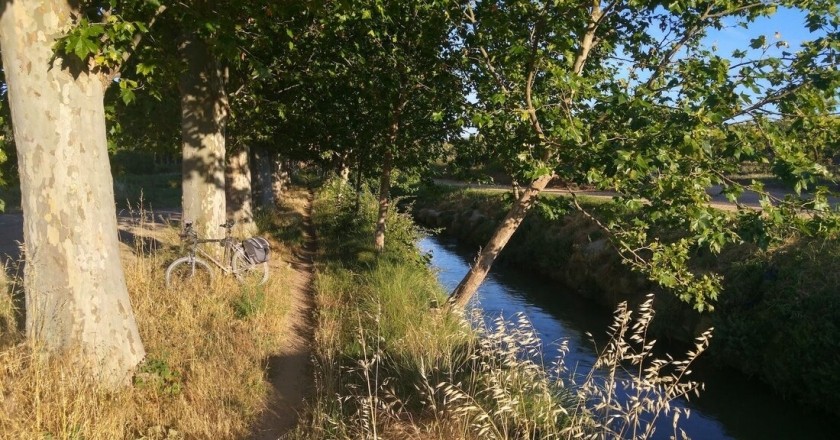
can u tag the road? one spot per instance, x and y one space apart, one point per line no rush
136 231
749 199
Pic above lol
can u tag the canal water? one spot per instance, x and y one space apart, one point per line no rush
732 405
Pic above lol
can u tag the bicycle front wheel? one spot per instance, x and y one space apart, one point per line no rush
189 271
248 273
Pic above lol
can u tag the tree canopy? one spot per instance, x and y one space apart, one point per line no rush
628 96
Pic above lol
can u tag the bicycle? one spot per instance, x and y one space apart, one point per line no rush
248 270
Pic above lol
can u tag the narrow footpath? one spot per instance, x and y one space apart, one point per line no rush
290 371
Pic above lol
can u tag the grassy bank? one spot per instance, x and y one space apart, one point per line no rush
204 374
776 317
391 364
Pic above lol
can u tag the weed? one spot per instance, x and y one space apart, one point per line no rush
155 373
250 302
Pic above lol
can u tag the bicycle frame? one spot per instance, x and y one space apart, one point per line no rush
234 261
229 243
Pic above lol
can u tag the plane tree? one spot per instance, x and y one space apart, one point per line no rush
628 96
395 61
77 305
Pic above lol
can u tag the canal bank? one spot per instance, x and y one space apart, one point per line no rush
732 406
776 320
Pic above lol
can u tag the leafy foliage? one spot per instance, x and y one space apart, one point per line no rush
628 96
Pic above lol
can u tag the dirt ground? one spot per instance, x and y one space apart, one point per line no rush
289 371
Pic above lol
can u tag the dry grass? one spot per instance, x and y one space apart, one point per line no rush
628 394
203 376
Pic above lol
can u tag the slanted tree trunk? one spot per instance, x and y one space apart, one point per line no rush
203 116
384 200
238 192
468 286
77 304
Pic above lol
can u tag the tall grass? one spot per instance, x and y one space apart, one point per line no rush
203 376
389 364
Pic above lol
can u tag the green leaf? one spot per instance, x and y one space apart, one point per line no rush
757 43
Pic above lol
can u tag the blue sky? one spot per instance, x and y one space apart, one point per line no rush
786 25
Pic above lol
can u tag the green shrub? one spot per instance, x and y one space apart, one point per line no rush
779 319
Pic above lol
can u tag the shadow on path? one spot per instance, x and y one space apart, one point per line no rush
290 371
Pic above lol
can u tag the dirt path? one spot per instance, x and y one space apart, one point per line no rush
290 371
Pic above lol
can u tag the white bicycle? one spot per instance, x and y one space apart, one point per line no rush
247 261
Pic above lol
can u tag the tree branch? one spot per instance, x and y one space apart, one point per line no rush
470 15
586 44
135 42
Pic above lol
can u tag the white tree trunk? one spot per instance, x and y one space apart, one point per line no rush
239 205
203 116
77 304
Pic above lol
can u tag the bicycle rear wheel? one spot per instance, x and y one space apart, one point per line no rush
248 273
189 271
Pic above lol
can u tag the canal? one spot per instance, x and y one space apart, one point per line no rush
732 406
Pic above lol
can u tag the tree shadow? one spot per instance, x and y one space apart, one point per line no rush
141 231
283 408
203 103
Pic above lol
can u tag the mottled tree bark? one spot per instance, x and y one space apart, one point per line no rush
238 192
77 304
468 286
203 116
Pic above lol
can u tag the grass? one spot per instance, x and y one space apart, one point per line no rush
203 377
390 364
163 189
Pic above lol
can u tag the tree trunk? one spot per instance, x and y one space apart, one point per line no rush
203 116
359 177
238 192
385 179
77 304
468 286
384 200
343 168
262 173
280 177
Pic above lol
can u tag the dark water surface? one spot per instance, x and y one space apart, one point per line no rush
732 405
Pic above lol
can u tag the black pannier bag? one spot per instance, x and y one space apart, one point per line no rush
256 249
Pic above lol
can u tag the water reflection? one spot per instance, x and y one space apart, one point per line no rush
732 406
